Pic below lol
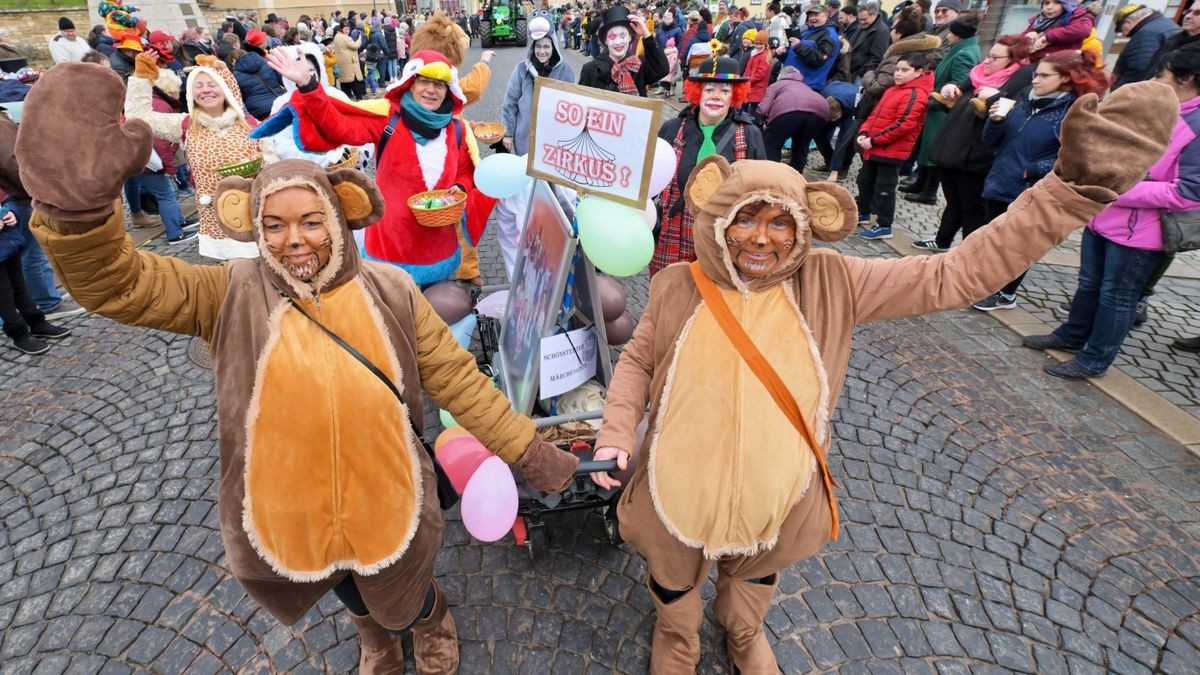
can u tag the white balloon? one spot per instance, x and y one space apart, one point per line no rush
663 168
650 214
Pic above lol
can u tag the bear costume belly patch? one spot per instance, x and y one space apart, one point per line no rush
726 465
332 479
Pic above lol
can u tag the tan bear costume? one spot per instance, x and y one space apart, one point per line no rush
307 497
722 475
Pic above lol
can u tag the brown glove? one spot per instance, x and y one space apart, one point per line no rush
80 105
145 66
545 467
1113 144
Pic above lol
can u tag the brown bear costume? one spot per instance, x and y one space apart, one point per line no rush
311 496
722 476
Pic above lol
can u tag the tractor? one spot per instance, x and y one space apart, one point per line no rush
503 20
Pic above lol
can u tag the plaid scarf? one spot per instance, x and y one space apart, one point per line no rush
622 75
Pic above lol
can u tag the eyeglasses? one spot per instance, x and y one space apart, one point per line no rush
1042 76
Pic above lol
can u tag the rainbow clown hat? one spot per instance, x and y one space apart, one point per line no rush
720 69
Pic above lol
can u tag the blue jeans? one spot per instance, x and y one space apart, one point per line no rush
1111 277
39 278
162 187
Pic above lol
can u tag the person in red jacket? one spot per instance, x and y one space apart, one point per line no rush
887 139
758 71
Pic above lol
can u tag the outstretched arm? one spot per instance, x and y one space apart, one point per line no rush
139 102
77 208
1123 138
324 121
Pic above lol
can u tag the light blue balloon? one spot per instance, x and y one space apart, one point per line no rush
614 237
501 175
448 421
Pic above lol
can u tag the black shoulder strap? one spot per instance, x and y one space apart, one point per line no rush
353 352
380 147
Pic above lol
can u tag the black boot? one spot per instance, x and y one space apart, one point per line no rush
929 187
914 183
1191 344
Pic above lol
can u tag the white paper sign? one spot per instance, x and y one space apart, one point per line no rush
568 360
594 141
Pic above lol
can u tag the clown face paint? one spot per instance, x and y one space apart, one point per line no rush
542 50
617 40
296 233
714 102
760 237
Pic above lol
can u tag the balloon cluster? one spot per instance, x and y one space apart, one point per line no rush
489 492
616 238
618 323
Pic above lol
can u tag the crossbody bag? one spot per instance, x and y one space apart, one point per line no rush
447 495
766 375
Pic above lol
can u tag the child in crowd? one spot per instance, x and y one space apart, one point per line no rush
758 70
373 54
24 323
887 139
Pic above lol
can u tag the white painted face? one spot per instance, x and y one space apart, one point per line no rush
617 40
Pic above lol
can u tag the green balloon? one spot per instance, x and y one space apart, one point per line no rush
447 419
614 236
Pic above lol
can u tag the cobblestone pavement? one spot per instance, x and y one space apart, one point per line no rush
996 520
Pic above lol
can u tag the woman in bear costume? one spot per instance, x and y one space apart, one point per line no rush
324 483
732 470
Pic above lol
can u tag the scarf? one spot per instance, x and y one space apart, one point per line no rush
622 75
424 125
980 78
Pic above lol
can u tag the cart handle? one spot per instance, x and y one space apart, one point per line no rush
601 466
544 422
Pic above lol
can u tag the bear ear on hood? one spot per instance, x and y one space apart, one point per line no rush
233 208
358 197
831 209
704 181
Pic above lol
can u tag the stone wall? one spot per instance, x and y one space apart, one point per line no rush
30 30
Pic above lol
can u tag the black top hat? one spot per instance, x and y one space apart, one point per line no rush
720 69
616 15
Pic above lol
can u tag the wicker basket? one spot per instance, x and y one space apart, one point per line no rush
439 217
488 132
349 160
247 168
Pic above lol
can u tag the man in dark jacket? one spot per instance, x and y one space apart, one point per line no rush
869 44
1189 34
1147 30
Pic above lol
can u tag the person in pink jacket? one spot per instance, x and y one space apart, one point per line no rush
1123 244
792 111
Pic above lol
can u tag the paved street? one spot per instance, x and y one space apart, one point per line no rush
995 519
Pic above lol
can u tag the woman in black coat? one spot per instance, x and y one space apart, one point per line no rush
618 68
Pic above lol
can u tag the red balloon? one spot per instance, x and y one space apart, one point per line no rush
460 457
620 331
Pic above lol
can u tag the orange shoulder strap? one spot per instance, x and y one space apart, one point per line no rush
766 374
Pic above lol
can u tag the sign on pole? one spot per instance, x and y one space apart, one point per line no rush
594 141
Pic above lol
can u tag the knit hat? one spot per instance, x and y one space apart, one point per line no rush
693 15
762 38
256 38
965 25
65 24
952 5
1124 13
750 35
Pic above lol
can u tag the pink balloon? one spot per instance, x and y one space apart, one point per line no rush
489 504
461 457
664 166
